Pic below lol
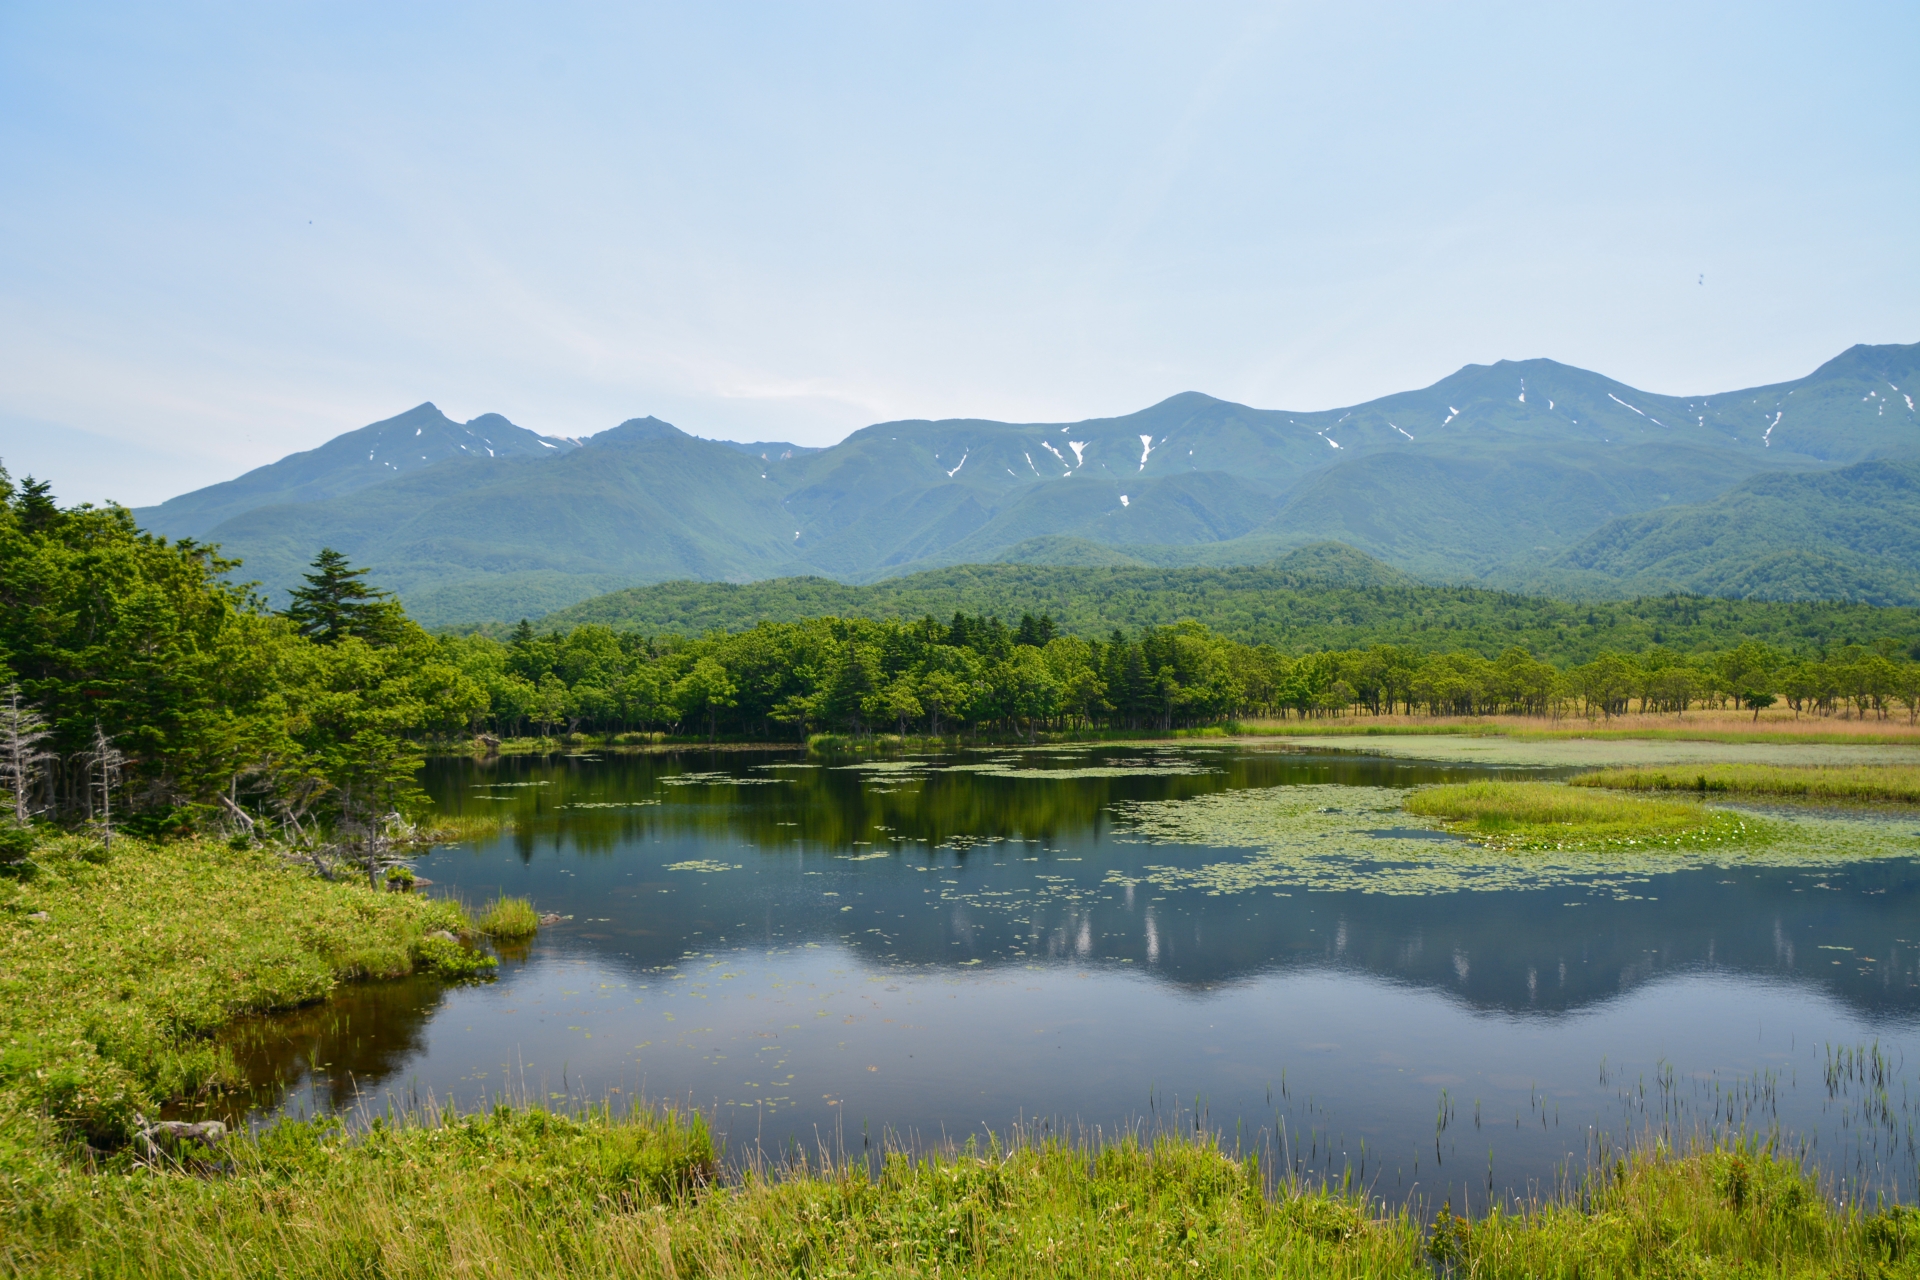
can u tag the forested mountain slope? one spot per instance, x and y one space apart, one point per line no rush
1324 596
398 446
1492 468
1851 534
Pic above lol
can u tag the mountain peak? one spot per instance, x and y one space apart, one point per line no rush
634 430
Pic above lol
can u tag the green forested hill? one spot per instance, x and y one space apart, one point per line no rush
1494 470
1323 597
1850 534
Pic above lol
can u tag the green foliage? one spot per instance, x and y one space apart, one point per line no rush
1850 534
508 918
451 959
335 604
1293 604
860 676
224 712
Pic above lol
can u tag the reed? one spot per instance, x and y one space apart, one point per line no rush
1863 783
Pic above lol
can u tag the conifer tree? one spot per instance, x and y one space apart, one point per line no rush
336 604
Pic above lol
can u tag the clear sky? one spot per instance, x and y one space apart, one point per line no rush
231 231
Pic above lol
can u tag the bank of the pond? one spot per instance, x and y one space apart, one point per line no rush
118 963
638 1192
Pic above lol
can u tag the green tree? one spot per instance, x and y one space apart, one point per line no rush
336 604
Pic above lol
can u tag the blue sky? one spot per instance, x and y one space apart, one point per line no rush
228 232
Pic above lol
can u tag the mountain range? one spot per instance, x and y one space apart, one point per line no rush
1529 475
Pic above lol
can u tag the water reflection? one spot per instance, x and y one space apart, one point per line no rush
940 944
1036 849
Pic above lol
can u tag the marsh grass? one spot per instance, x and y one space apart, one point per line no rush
451 828
108 1004
508 918
1551 815
1898 784
640 1191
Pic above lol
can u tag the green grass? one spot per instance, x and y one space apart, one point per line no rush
509 918
1552 815
109 1002
1899 784
639 1192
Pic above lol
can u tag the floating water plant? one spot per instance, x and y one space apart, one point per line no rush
1323 837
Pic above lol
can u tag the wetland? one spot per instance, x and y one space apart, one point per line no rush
1257 938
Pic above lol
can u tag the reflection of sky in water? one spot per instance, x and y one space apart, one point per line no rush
932 951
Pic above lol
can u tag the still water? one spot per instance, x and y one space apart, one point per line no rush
916 949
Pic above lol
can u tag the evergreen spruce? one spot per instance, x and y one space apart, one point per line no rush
336 604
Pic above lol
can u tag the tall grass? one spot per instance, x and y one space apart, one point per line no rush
508 918
640 1192
1864 783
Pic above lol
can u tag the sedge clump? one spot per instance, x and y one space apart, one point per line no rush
1551 815
508 918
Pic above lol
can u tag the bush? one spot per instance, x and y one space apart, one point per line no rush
16 848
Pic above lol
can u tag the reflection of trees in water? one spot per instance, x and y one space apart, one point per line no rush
349 1043
1514 951
776 802
1511 951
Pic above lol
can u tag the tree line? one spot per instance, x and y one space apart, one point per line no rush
969 674
142 684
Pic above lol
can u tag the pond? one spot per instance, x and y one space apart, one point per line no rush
1251 937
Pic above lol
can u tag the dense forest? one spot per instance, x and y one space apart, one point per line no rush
1320 597
141 684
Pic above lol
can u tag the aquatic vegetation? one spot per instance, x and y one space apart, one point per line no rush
1169 765
1551 815
1321 837
508 918
1868 783
451 828
714 779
